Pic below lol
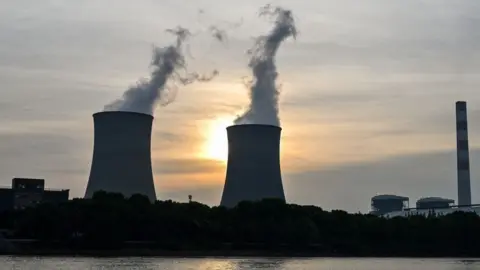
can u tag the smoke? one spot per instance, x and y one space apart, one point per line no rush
219 30
218 34
263 91
168 65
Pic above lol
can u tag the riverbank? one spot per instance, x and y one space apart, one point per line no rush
111 226
34 247
218 253
144 249
255 263
165 253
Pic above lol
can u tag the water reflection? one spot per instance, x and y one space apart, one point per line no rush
468 264
243 264
77 263
261 264
136 263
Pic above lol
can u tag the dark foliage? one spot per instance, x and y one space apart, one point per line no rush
110 221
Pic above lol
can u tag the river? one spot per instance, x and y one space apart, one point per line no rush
77 263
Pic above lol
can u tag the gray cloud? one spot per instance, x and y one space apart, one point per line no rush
351 186
62 159
393 68
186 166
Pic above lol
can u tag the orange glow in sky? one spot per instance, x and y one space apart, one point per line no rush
216 143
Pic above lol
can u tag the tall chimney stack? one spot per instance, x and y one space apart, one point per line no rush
463 159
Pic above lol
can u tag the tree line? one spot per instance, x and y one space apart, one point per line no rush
109 221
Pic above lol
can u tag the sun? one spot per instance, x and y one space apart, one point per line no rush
216 143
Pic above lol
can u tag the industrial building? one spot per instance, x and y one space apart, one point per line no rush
474 208
121 161
434 202
443 206
382 204
253 167
26 192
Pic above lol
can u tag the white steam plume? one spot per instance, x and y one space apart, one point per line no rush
219 30
263 107
166 64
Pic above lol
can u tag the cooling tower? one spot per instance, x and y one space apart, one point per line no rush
463 159
121 154
253 168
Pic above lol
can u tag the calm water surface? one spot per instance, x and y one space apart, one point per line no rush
39 263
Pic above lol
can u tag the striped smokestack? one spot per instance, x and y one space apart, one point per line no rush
463 160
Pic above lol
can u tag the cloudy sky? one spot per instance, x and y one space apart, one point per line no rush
367 102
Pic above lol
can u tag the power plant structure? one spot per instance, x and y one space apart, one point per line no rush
434 202
443 206
253 167
463 156
386 203
121 160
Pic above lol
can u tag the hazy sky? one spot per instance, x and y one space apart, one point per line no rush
367 103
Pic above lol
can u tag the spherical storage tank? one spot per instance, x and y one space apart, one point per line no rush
121 160
253 167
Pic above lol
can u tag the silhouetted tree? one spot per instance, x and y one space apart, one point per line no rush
111 221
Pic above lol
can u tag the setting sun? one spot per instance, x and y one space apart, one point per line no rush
216 143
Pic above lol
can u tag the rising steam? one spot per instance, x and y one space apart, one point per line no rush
166 63
263 107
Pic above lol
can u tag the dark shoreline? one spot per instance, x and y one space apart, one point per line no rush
112 226
214 253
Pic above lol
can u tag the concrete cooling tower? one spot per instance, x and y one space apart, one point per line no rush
253 168
121 160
